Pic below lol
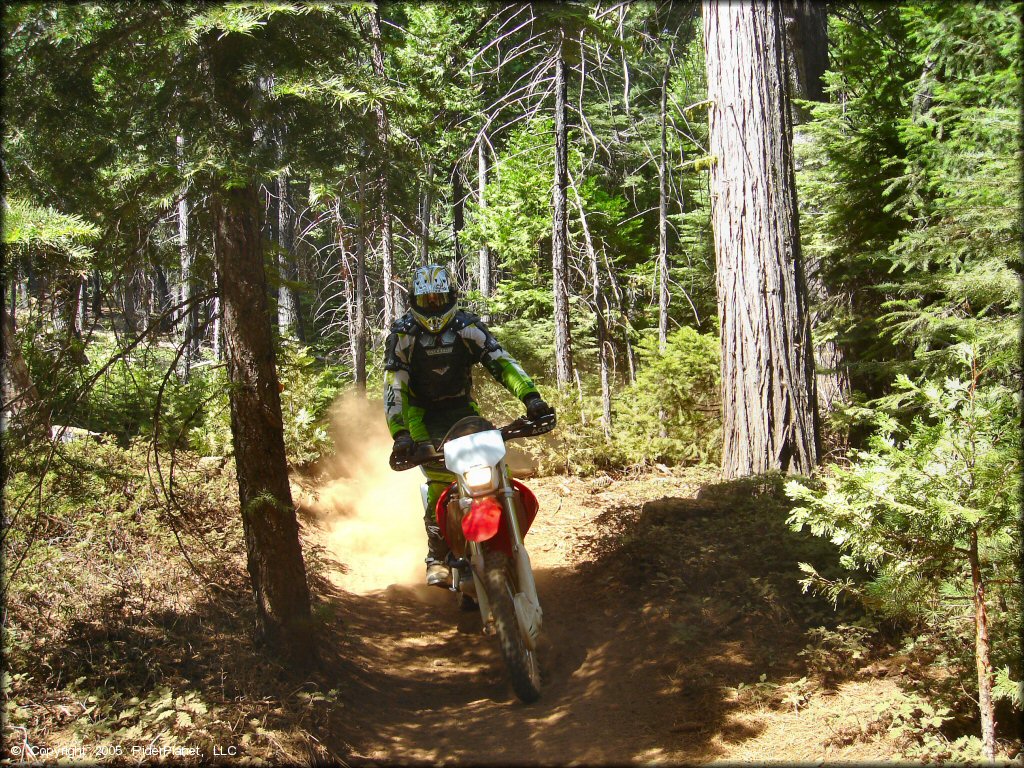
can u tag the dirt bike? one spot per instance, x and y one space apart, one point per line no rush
484 516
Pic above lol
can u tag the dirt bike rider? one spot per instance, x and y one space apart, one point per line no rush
428 385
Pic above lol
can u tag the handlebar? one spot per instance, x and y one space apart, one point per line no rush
424 453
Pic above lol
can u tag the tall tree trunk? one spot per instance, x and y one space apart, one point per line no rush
982 656
13 286
189 315
392 300
769 410
560 230
486 278
806 52
806 61
620 31
82 303
162 298
218 324
358 335
458 224
275 560
289 316
663 294
426 202
97 293
134 307
599 304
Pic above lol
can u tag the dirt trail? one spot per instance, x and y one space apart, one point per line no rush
641 662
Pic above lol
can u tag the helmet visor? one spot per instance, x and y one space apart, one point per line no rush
432 302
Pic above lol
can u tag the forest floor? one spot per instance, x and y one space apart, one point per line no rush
675 632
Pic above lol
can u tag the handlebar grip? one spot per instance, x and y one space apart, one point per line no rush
420 454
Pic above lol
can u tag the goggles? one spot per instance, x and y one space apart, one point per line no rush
431 302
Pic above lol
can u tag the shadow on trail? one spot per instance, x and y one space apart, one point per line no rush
645 645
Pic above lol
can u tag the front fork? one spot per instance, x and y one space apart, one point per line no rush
527 603
525 600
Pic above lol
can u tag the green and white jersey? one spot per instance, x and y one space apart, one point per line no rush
433 371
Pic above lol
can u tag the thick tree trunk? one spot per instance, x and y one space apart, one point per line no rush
289 316
768 391
271 530
806 52
560 231
806 62
982 657
392 299
486 279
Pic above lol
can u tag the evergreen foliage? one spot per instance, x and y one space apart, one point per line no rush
118 141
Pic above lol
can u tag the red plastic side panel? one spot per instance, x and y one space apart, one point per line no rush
502 541
441 510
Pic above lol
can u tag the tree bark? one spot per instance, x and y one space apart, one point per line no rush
458 224
663 294
392 300
806 52
275 561
599 303
620 32
188 318
289 316
162 298
769 411
486 279
426 202
806 63
560 229
97 293
982 656
359 298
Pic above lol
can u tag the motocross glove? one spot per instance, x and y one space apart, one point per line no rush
404 445
536 407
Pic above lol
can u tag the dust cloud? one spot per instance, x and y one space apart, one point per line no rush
372 516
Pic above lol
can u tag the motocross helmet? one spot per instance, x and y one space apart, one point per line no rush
432 297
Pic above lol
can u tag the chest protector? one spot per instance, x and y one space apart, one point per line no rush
440 369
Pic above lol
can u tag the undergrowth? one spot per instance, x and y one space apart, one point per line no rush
128 617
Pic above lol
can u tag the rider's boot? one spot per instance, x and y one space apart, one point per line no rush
438 572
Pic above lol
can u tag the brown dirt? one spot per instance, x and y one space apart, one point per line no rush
673 627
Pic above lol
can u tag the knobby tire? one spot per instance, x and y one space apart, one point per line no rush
521 661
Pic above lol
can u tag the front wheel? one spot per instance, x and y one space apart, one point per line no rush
520 660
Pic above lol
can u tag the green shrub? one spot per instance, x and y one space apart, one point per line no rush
119 392
908 512
672 412
308 389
